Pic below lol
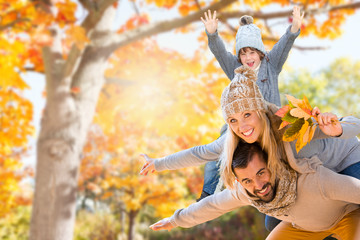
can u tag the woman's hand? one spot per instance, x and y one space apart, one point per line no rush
328 123
149 166
210 22
163 224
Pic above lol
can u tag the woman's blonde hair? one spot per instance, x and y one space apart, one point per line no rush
270 141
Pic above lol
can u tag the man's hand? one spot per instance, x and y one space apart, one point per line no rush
297 19
163 224
211 23
149 166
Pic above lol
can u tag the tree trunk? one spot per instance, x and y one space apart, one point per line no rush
63 134
132 214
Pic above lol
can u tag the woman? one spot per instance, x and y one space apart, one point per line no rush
335 145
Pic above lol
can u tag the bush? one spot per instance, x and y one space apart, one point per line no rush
16 225
244 224
96 226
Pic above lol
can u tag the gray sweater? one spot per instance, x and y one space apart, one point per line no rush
323 199
270 67
336 153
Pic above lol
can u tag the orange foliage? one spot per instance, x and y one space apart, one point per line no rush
66 12
15 128
134 22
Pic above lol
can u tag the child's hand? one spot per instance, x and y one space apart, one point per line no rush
297 19
163 224
149 166
211 23
328 123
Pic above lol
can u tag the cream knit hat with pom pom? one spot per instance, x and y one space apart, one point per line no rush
242 94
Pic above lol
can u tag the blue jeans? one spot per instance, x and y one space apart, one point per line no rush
211 172
211 177
352 170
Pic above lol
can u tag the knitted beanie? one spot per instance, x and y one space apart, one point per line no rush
248 35
242 94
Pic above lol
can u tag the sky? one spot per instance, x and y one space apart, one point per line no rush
345 46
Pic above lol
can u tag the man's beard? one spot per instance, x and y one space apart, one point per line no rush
269 196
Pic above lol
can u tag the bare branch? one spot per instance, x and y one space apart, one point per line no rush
309 48
119 81
280 14
95 13
198 4
160 27
135 8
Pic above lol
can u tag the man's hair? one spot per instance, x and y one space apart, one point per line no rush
244 153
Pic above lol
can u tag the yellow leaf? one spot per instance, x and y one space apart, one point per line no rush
300 143
312 131
290 138
294 101
307 104
299 113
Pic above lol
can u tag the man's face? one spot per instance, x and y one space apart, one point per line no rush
255 178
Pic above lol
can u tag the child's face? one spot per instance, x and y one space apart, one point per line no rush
250 58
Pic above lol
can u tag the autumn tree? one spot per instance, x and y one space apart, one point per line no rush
15 128
72 51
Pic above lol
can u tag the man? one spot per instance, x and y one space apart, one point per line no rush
312 202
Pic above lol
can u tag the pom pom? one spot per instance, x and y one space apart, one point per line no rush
245 20
247 72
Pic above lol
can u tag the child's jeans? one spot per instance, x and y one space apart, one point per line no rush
211 177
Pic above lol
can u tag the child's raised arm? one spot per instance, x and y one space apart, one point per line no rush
210 22
297 19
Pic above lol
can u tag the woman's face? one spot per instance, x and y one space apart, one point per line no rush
247 125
